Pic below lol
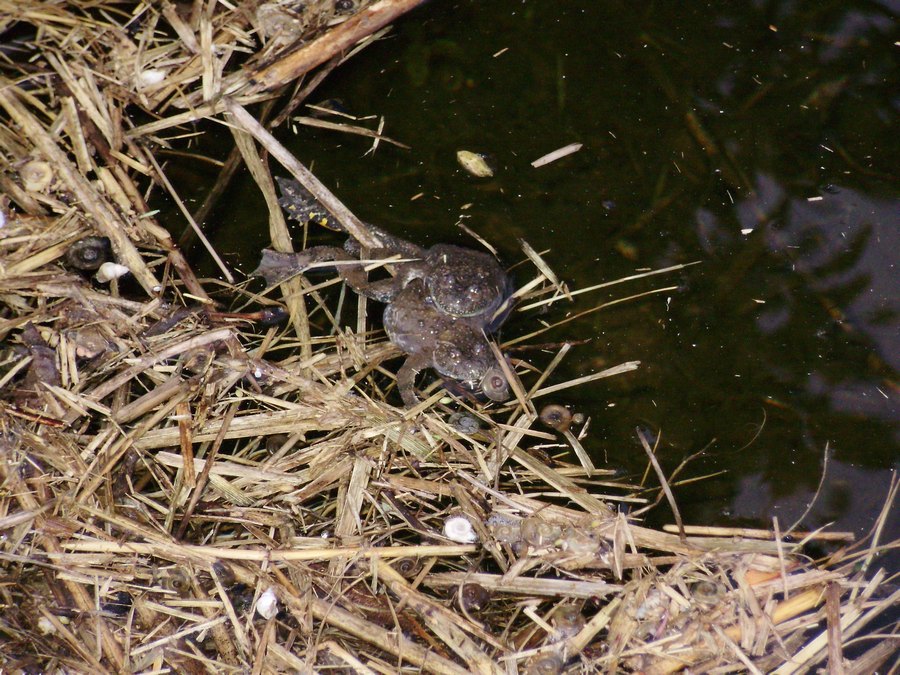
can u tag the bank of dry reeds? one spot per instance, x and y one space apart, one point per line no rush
185 488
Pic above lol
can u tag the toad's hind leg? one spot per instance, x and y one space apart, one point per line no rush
276 267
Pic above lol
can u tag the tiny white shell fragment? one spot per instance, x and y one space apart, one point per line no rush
460 530
151 76
46 626
109 271
267 605
474 163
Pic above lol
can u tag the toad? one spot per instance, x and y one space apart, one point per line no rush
462 282
455 347
439 304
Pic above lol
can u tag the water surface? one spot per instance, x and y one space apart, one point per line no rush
759 139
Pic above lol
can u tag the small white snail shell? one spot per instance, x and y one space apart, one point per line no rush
150 77
109 271
267 605
36 175
460 530
45 626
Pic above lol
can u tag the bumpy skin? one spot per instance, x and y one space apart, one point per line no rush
466 283
454 346
438 306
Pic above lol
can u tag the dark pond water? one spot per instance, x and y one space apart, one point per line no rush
759 139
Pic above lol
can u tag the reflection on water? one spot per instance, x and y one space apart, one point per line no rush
755 501
758 138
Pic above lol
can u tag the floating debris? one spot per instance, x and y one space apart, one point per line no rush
556 154
475 163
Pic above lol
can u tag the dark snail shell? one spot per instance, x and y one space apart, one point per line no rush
556 417
473 597
408 567
568 620
464 422
89 253
118 604
224 573
275 441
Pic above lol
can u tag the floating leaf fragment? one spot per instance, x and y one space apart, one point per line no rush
475 163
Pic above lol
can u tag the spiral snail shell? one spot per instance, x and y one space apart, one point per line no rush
568 620
464 422
473 597
176 580
556 417
494 384
89 253
545 664
707 593
408 567
539 533
36 176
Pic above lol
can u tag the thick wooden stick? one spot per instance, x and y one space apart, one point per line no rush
328 45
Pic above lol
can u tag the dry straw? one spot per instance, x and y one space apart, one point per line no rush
184 489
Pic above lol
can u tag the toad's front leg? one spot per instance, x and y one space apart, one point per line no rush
406 378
